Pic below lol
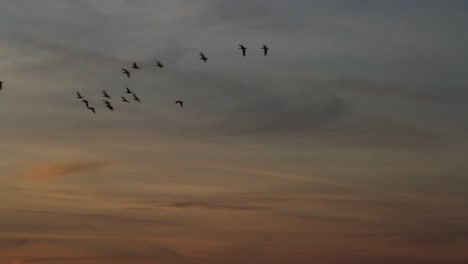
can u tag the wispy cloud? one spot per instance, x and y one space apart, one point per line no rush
55 171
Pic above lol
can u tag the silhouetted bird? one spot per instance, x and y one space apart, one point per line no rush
128 91
159 64
135 97
1 85
125 71
243 48
86 102
180 103
79 96
203 57
135 66
124 99
105 94
265 50
108 105
92 109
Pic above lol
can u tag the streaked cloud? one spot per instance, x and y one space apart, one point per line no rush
55 171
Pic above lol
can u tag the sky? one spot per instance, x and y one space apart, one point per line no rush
346 144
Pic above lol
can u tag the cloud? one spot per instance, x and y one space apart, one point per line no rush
211 206
56 171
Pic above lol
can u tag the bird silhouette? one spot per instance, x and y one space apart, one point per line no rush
124 99
135 66
135 97
105 94
92 109
79 96
159 64
265 50
180 103
128 91
203 57
1 85
243 48
85 102
126 72
108 105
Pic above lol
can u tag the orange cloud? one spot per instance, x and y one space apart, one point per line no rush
54 171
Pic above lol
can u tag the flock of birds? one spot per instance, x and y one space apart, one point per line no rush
134 95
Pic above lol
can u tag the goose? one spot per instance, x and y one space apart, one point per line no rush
265 50
105 94
243 48
108 105
126 72
203 57
135 97
135 66
85 102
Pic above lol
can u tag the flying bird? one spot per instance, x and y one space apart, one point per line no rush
180 103
203 57
265 50
243 48
105 94
92 109
108 105
1 85
79 96
124 99
135 66
159 64
85 102
135 97
126 72
128 91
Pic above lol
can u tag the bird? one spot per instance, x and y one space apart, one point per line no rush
243 48
135 97
1 85
128 91
159 64
126 72
135 66
105 94
79 96
124 99
180 103
203 57
85 102
92 109
108 105
265 50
